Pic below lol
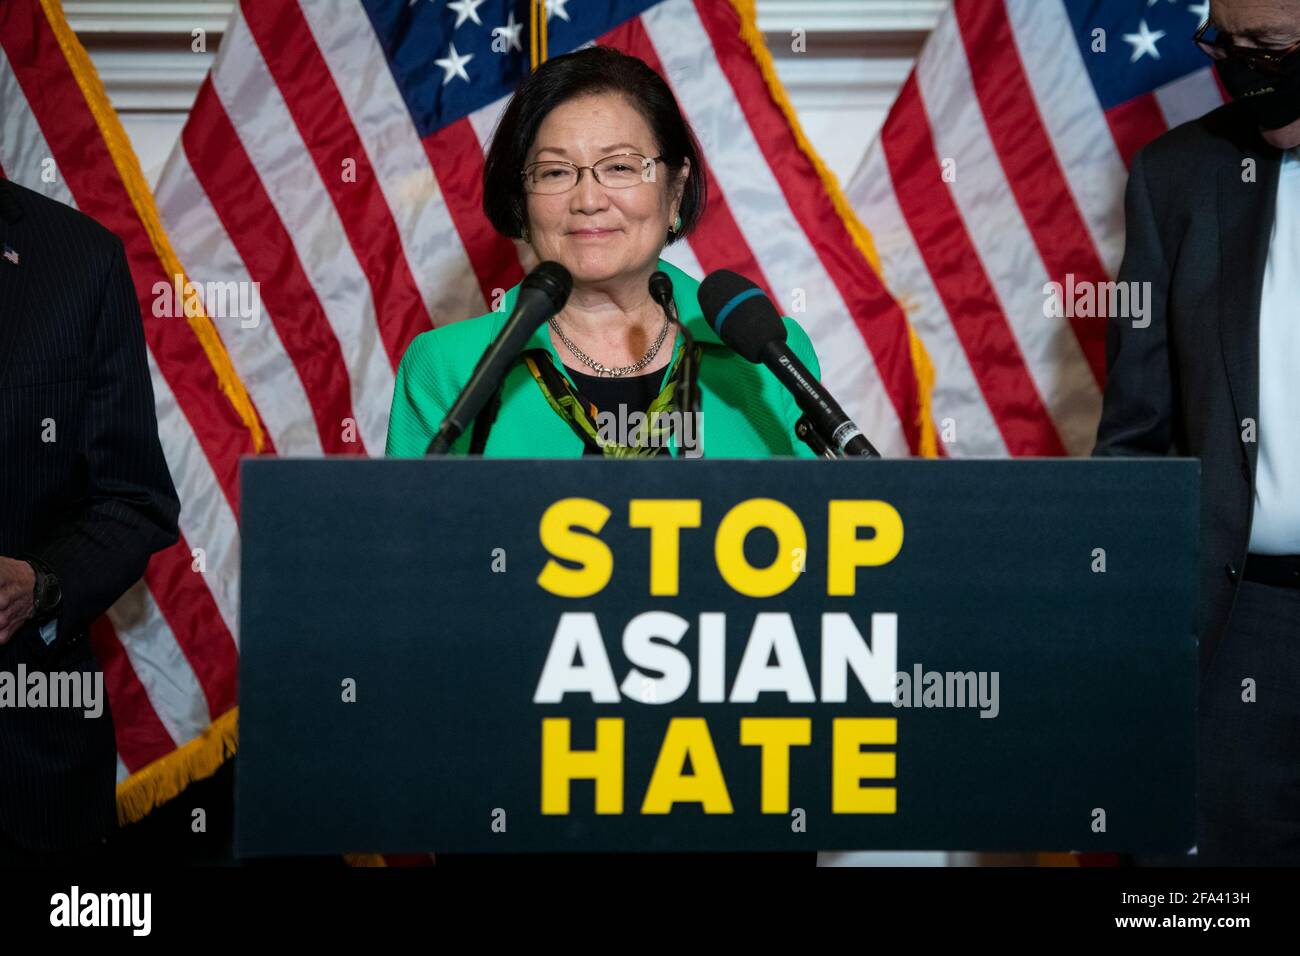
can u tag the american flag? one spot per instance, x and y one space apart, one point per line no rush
325 200
1001 168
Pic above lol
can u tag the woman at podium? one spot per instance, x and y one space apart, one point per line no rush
594 167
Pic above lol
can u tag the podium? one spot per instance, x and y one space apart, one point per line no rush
471 655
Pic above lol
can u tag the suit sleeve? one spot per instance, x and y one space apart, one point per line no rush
131 509
1138 407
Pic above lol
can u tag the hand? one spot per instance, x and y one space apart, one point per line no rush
17 582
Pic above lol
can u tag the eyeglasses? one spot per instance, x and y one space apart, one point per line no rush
1219 45
619 171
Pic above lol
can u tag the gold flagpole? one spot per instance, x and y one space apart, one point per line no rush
541 4
532 34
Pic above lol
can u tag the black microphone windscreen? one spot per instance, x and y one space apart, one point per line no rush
739 311
552 279
661 287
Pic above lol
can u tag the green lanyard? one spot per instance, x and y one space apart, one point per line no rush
581 414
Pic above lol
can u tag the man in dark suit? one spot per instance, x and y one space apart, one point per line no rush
85 498
1213 219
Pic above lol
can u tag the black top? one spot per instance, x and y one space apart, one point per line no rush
607 393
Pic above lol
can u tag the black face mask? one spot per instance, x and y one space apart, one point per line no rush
1274 101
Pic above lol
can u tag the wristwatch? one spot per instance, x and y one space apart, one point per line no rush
46 592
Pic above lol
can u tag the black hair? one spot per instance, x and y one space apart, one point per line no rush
595 69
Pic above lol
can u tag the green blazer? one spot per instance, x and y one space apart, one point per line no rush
745 412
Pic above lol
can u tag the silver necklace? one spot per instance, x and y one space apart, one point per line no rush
601 369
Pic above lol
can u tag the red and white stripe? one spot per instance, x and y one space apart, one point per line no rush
25 154
763 205
1069 109
1000 100
402 170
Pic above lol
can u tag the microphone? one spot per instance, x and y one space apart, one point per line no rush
745 318
661 289
542 294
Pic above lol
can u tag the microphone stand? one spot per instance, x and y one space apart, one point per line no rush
690 404
447 433
805 429
688 389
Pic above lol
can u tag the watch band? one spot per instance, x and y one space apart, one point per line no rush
46 584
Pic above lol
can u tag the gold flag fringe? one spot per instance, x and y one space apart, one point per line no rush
169 775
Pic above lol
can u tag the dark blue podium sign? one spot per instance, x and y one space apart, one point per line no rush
484 655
